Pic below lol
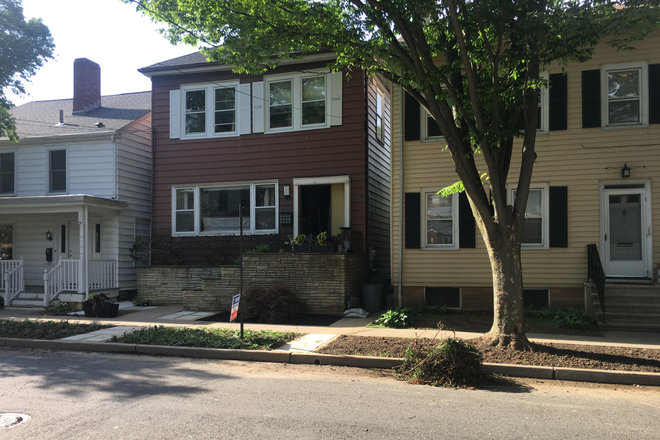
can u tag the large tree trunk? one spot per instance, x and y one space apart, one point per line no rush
508 321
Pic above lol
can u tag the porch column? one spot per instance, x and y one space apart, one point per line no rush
83 216
295 208
347 204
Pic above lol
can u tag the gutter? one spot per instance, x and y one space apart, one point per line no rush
400 232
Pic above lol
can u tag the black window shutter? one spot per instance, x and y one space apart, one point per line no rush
413 220
590 98
466 236
558 102
412 118
654 94
558 216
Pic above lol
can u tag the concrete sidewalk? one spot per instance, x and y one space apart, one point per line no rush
174 316
301 351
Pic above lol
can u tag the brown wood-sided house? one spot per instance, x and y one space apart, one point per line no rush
304 150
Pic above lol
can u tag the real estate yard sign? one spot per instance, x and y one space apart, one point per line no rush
234 307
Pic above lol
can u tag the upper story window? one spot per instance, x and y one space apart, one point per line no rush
429 129
214 210
7 173
543 124
211 110
298 102
440 219
624 94
380 131
536 226
57 171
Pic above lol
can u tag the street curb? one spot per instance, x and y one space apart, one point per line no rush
527 371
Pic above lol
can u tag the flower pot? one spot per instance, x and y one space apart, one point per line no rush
324 249
300 248
103 310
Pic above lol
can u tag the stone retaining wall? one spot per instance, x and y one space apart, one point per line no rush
322 280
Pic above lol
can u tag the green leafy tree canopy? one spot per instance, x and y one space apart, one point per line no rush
24 47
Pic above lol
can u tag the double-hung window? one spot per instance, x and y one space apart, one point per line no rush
297 102
440 220
7 173
380 131
57 171
211 110
429 129
216 209
536 226
624 96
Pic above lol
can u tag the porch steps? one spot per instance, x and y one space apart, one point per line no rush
630 307
27 300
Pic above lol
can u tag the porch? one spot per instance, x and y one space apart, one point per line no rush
55 246
67 281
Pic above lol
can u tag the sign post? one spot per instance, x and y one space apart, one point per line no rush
240 220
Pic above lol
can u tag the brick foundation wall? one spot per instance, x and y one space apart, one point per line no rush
321 280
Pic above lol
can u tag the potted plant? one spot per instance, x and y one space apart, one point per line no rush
321 245
100 305
301 244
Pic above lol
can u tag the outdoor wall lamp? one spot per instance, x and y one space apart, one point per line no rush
625 171
287 190
49 236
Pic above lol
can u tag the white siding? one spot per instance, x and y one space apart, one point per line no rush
134 184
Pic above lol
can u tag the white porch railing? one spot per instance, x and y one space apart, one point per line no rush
102 274
11 279
64 276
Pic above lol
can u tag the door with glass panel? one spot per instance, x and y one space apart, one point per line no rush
626 233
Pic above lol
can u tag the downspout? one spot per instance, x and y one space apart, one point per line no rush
400 249
114 138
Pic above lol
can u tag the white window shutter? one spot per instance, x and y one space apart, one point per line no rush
175 114
244 108
258 104
336 94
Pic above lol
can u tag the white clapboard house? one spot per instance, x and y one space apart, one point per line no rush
75 191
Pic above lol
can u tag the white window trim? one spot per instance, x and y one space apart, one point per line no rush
197 208
643 94
423 227
296 100
381 109
424 129
328 180
545 204
15 153
48 191
209 89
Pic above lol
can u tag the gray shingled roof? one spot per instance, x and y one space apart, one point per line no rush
40 118
185 60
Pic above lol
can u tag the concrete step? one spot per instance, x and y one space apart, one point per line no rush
633 308
16 302
630 318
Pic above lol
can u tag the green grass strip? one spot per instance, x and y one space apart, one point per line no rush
207 337
43 329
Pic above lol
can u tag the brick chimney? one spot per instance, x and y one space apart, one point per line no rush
86 86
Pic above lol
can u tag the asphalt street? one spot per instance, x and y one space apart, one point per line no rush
76 395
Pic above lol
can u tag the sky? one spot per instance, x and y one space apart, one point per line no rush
107 32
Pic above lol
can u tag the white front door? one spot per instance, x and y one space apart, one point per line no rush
73 241
626 233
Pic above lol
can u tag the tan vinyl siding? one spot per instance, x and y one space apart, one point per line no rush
576 158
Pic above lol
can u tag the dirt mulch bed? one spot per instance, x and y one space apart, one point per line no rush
481 322
551 355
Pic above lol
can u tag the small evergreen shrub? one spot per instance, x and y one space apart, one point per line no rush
453 362
273 305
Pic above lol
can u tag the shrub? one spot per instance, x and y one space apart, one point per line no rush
273 305
397 318
453 362
139 301
569 317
